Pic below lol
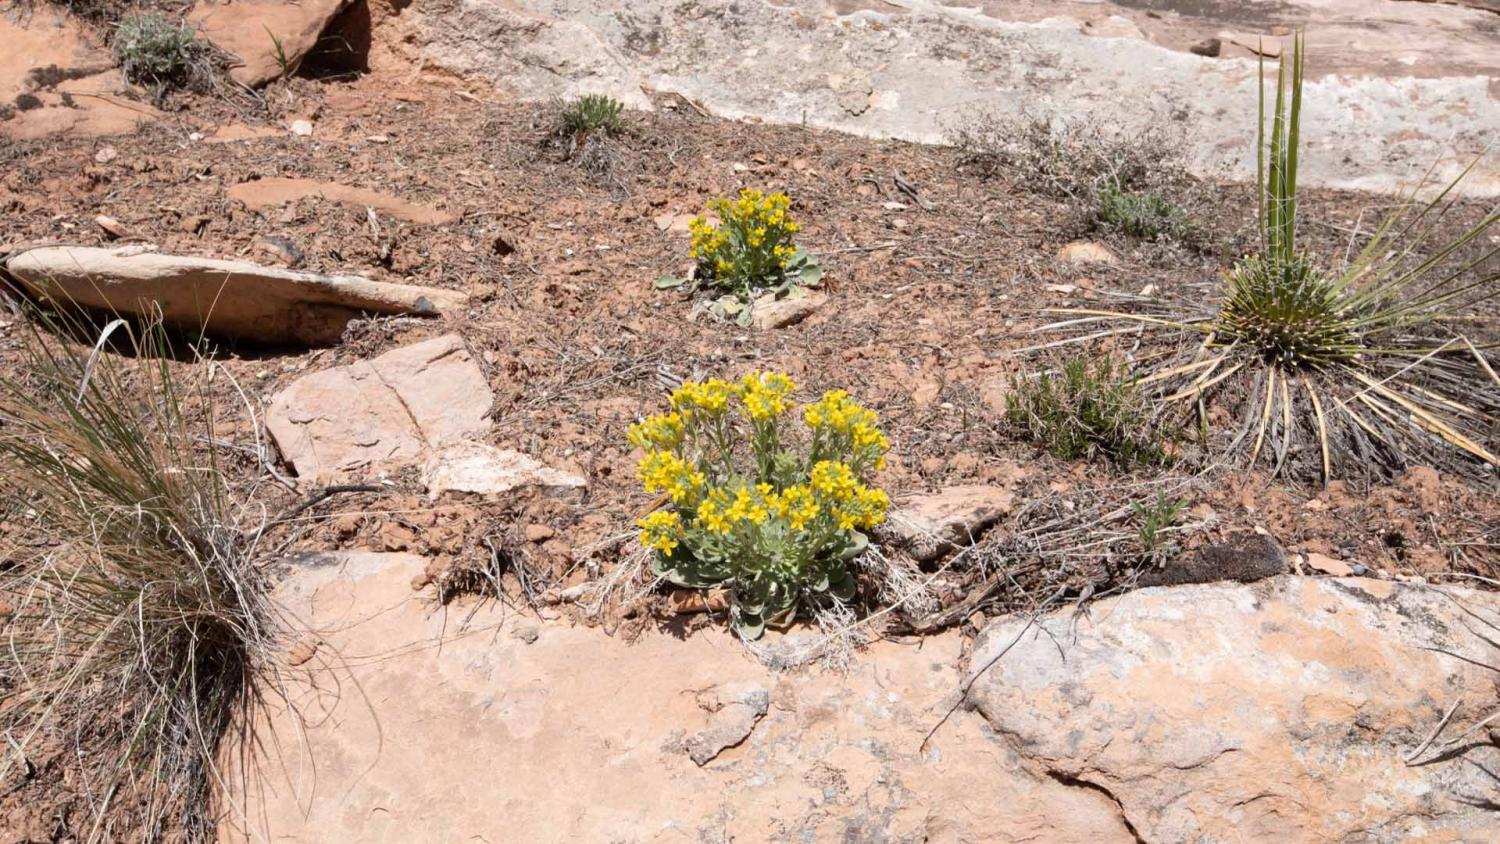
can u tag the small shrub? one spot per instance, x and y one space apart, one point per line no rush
591 113
1074 160
154 51
1145 215
745 503
1085 410
137 611
1153 517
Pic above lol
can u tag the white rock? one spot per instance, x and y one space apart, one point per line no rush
486 470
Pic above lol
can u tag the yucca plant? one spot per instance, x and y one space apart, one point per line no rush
140 621
1329 370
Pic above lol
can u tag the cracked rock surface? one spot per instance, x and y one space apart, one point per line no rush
393 409
415 727
1276 711
1388 81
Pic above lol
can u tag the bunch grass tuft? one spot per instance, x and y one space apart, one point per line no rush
154 51
141 621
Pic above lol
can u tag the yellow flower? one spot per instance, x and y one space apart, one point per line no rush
833 480
661 530
866 435
664 471
871 505
708 398
663 431
838 413
765 394
797 506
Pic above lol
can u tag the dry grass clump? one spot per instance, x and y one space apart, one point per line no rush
585 129
139 610
1135 183
1067 159
1146 215
158 53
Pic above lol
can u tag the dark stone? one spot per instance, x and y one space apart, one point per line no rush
1244 557
1211 48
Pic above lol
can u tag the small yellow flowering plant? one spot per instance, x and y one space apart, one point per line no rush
747 503
748 250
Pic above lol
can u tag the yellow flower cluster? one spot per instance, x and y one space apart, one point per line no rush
765 395
665 471
751 238
836 411
835 491
661 530
707 399
828 499
852 503
662 431
838 415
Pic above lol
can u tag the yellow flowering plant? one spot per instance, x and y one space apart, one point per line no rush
745 246
746 500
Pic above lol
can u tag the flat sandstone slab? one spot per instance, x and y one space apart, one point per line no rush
236 299
391 410
268 193
425 729
1282 710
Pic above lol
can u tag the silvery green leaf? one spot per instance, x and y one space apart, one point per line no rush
669 281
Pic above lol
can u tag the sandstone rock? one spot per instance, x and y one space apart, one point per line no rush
231 298
1278 711
486 470
1209 47
691 601
251 29
1086 252
539 533
56 80
1396 81
931 525
601 723
1328 565
240 132
677 223
769 312
736 710
266 193
343 422
994 392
